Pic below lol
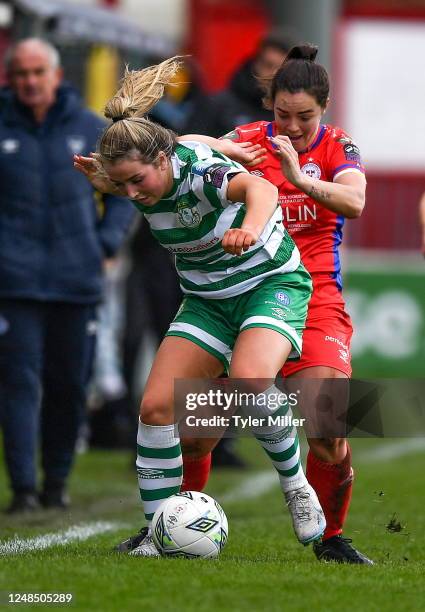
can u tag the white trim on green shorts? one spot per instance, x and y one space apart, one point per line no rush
197 333
280 326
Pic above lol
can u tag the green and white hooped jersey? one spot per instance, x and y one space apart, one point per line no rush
191 220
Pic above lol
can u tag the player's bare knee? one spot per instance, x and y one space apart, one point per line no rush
253 381
195 447
330 449
155 411
334 444
331 444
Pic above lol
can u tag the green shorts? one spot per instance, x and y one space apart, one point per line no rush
279 302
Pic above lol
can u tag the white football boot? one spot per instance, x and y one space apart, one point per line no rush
146 547
307 515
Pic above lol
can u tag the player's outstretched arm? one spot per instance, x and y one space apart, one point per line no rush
245 153
261 199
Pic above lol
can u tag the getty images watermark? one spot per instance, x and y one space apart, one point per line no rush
324 408
222 408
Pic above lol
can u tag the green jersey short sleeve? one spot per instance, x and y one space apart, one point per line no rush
191 220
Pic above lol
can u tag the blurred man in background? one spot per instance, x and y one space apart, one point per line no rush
242 101
54 242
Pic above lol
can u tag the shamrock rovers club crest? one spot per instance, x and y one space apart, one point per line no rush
188 216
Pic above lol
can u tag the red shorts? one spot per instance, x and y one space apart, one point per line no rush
328 331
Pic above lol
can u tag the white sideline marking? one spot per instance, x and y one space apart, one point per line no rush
393 450
252 486
75 533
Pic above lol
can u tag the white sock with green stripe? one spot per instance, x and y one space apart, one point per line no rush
280 442
159 465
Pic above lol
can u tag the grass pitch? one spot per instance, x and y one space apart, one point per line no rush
262 567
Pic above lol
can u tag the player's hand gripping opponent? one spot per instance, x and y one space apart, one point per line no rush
288 158
245 152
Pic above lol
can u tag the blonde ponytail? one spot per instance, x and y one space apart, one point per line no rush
141 90
131 133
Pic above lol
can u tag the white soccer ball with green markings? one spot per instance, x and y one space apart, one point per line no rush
190 524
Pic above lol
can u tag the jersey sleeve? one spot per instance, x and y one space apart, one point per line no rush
250 132
344 157
234 135
210 178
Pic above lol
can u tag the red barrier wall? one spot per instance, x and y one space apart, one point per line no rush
222 34
390 219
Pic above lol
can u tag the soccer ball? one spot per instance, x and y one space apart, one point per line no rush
190 524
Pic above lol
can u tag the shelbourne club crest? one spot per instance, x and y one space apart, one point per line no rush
311 169
188 216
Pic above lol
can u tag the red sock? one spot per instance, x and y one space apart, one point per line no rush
333 483
195 472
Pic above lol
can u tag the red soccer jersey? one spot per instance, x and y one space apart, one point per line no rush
316 230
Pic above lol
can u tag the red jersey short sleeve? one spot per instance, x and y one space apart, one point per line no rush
343 154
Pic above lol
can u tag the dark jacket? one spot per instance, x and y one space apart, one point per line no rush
239 104
52 237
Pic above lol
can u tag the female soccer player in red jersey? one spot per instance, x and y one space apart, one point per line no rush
320 177
318 171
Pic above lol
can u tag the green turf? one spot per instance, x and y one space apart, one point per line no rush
262 567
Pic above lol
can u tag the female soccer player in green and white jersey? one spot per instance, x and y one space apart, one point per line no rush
237 266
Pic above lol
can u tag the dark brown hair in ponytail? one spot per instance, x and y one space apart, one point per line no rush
299 72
